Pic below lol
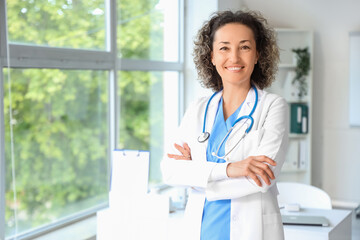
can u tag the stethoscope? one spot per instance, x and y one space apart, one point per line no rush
204 136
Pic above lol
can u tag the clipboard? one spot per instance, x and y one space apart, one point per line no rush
129 172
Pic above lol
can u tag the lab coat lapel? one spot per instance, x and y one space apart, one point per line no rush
245 110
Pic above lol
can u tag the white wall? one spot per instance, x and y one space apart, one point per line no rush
336 146
196 12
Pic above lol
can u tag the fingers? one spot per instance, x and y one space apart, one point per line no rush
264 169
186 147
176 157
179 157
256 168
259 172
185 150
263 158
261 168
255 178
182 150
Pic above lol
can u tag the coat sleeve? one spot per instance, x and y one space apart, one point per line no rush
194 173
272 144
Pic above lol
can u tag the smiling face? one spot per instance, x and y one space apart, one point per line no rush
234 54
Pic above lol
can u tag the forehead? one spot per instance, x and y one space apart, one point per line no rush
233 32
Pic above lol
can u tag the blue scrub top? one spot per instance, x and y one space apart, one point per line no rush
216 214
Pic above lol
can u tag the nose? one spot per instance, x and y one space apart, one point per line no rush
235 56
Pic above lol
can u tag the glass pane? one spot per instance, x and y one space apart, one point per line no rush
66 23
149 112
148 29
60 126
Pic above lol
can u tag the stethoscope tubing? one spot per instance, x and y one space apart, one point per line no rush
206 109
224 139
206 135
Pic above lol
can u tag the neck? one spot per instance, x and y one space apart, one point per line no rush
233 97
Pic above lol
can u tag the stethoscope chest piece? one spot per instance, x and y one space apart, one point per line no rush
203 137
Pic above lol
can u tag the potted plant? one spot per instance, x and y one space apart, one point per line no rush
302 69
299 110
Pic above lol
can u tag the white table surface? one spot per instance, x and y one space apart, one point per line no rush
339 229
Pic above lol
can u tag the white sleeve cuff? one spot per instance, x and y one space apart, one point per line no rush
218 172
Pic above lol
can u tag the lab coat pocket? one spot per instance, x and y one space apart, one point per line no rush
245 147
273 227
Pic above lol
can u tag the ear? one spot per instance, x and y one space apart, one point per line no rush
212 58
257 57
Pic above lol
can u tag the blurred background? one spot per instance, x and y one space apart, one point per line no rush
80 78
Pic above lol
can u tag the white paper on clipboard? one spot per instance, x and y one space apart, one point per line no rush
129 172
133 213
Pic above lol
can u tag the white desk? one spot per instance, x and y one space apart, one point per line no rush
109 226
144 217
339 229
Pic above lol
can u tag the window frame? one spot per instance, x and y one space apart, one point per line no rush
28 56
2 123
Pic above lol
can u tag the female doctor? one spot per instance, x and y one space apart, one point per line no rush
230 147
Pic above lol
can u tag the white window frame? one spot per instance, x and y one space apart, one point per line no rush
25 56
2 123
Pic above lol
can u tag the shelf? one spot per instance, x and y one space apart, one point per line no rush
291 30
297 165
284 170
303 100
287 65
298 135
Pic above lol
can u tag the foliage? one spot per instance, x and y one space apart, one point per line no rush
64 23
140 34
141 115
302 70
60 142
60 117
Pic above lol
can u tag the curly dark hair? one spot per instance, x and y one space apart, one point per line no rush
266 46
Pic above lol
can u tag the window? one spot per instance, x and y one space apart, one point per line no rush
148 111
82 78
148 29
59 121
67 23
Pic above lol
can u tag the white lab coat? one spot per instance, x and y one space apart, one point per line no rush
254 210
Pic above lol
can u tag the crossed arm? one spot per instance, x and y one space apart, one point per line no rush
254 173
254 167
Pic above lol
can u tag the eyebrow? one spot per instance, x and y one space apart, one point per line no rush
242 41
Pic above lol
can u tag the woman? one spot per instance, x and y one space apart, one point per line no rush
232 171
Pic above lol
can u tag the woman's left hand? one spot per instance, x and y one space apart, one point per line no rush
184 150
254 167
